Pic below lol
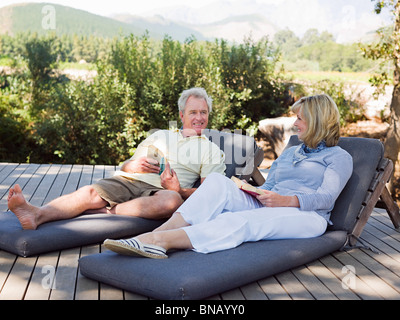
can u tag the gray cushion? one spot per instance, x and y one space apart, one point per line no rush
187 275
190 275
89 229
58 235
239 150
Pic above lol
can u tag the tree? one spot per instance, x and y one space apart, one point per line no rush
310 37
388 49
287 41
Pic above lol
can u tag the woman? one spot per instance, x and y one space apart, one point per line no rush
299 194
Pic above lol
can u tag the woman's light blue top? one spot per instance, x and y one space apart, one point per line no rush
315 176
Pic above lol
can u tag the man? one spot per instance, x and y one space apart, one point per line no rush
140 189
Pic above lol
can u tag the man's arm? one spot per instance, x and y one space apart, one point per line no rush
141 165
186 193
170 181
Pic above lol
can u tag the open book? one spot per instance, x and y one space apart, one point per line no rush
156 154
247 187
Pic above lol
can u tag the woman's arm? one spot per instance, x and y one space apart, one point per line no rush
336 175
272 199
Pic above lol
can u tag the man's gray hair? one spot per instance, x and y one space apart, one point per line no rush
197 93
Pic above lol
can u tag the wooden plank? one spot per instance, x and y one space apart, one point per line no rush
43 277
7 169
66 275
59 184
293 286
388 256
13 176
87 289
86 178
389 277
384 229
379 287
73 179
109 171
360 288
253 291
234 294
313 284
377 276
134 296
22 180
7 261
30 187
44 186
328 278
273 289
98 173
382 242
4 165
108 292
18 279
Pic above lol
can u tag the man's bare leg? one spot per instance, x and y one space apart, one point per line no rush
65 207
159 206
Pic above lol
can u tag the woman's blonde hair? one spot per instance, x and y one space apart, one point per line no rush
322 117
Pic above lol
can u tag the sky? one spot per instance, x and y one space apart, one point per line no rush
297 15
107 7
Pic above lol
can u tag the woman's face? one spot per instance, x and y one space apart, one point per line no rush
300 124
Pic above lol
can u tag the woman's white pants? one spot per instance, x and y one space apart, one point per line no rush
222 217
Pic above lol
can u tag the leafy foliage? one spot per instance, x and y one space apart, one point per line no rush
319 52
138 83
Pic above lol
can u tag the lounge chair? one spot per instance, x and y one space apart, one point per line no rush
243 158
189 275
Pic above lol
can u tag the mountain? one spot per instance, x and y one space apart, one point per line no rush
160 26
238 28
233 20
347 20
29 17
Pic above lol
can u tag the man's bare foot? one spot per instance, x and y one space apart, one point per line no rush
25 212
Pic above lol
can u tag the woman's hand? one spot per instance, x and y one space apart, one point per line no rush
273 199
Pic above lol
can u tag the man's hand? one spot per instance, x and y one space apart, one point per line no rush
141 165
169 179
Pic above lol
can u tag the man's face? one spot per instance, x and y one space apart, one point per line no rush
195 117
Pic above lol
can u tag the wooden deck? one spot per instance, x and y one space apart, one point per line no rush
377 276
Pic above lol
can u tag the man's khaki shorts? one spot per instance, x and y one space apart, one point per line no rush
117 189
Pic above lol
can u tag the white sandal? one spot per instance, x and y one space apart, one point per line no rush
133 247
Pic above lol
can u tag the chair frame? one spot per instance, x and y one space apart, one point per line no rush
378 196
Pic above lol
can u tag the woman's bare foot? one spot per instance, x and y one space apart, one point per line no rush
25 212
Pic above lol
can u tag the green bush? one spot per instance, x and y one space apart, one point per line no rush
350 109
101 121
14 136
